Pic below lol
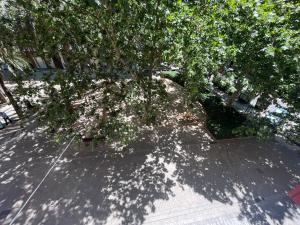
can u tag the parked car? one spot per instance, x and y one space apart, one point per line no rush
276 114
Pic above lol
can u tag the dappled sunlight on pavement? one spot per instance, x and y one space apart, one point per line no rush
25 156
168 176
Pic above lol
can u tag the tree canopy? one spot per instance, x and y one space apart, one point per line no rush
113 48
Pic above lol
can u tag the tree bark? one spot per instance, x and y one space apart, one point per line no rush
232 98
11 98
148 96
2 97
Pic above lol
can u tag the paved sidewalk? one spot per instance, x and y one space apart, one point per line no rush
168 177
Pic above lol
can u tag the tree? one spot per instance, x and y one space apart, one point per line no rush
7 92
13 34
113 49
2 97
252 45
103 44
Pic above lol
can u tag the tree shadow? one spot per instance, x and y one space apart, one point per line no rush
25 156
101 187
254 174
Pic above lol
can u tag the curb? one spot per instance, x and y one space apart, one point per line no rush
238 138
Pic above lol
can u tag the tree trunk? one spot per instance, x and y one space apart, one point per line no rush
2 97
148 97
232 98
11 98
57 61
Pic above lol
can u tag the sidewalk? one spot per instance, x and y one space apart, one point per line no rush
168 177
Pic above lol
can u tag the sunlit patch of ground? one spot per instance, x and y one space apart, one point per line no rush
171 174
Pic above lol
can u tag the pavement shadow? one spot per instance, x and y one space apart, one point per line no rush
101 187
25 156
253 174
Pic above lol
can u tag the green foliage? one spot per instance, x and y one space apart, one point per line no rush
222 120
249 46
112 50
260 127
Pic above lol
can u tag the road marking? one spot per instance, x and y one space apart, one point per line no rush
35 190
